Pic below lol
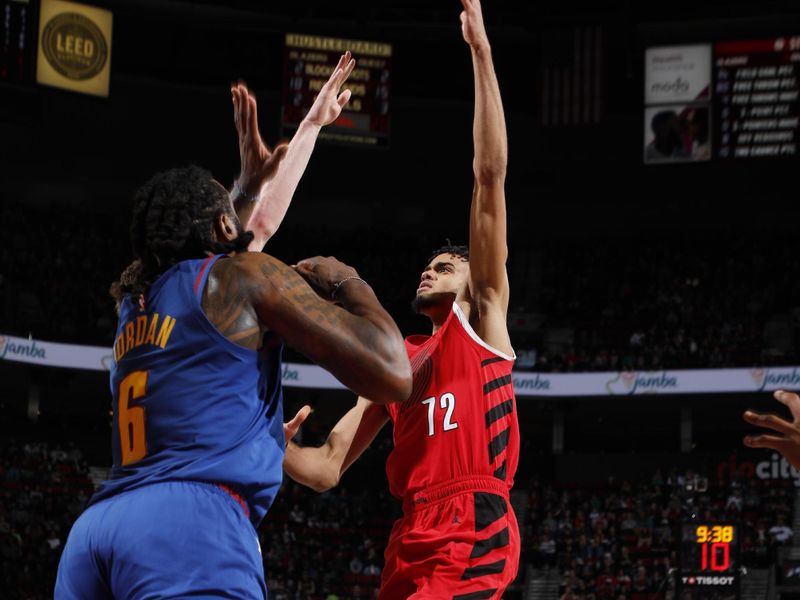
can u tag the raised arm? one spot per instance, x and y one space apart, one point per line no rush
258 164
488 249
358 342
263 191
321 468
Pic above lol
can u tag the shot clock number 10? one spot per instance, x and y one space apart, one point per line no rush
709 561
715 552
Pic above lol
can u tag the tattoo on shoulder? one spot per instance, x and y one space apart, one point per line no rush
226 305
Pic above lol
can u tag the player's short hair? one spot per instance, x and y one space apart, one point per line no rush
460 251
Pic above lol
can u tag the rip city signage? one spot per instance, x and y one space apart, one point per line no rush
74 47
776 467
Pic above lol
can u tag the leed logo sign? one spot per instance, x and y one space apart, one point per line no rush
74 46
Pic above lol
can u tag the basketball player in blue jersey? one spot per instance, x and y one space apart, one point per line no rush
198 440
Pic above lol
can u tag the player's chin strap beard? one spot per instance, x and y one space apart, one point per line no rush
423 301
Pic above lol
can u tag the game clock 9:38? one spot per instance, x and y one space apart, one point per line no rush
714 534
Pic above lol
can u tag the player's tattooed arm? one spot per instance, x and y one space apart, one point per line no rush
226 305
358 342
488 247
273 192
321 468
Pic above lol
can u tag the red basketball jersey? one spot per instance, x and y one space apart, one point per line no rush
461 419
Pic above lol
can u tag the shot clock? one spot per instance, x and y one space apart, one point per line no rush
709 561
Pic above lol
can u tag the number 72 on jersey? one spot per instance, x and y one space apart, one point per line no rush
447 402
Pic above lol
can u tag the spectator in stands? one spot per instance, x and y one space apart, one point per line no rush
656 308
372 567
735 501
37 507
780 533
356 566
640 582
547 548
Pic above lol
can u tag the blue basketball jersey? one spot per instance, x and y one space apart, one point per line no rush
189 404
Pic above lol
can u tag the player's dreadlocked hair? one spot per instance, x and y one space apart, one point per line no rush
461 252
173 220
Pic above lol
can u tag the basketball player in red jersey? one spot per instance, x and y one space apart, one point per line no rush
456 438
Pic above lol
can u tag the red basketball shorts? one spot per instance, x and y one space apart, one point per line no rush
457 540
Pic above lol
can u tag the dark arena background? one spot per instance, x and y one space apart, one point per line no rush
654 296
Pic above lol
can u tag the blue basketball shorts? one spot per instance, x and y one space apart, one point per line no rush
165 540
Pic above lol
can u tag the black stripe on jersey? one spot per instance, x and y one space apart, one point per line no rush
422 377
482 595
481 570
501 472
488 509
490 361
498 444
420 358
496 383
483 547
499 411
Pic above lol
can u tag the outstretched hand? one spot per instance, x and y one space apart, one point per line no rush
329 102
291 428
258 163
472 26
788 443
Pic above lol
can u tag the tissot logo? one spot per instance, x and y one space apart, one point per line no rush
74 46
708 580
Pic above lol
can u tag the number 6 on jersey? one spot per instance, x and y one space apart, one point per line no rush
447 401
131 418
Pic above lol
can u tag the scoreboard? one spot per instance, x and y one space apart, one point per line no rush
709 562
757 97
18 41
309 61
724 101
